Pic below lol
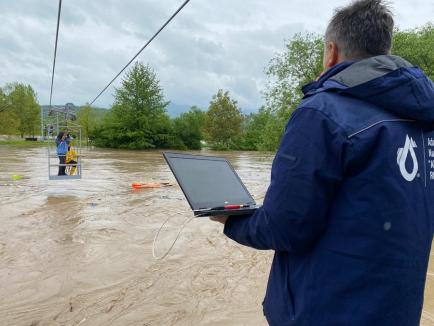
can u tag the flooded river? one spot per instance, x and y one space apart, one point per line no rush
79 252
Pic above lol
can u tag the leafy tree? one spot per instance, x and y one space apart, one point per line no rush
4 101
89 120
8 120
416 46
188 129
23 103
300 63
223 121
258 133
138 118
287 72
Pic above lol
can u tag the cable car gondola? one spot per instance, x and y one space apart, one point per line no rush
67 165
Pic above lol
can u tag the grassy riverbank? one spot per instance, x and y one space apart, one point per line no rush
22 143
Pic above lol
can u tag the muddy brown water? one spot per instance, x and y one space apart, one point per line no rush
79 252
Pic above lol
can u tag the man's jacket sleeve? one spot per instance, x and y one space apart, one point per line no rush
305 175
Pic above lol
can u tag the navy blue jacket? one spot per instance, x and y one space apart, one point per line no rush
350 208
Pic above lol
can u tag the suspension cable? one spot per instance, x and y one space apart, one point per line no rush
140 51
55 49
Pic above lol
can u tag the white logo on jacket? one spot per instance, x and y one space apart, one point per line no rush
408 148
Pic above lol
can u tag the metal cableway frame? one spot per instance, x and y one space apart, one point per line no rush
53 158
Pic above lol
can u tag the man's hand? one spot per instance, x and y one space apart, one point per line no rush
221 219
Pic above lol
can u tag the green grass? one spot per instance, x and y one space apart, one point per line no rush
22 143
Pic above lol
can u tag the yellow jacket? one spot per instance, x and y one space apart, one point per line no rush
71 155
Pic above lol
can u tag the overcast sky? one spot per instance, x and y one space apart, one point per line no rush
209 45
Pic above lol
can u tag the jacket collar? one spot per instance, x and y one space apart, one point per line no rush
318 85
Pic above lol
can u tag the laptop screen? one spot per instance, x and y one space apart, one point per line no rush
208 181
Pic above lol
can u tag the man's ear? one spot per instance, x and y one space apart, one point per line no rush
332 55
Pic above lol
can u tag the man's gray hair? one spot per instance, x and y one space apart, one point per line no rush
362 29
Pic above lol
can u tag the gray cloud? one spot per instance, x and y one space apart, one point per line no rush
210 45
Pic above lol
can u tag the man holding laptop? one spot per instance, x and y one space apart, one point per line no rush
350 208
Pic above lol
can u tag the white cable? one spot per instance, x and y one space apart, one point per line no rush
176 239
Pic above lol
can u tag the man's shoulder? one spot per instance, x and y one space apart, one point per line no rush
348 112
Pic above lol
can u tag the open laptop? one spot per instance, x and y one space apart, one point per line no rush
210 184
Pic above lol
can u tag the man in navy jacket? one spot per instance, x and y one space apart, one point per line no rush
350 208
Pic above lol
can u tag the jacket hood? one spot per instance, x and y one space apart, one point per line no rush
387 81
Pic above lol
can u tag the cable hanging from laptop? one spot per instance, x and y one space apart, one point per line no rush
140 51
174 241
55 49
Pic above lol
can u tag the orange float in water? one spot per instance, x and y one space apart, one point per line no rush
137 185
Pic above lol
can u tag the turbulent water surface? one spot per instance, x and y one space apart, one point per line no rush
79 252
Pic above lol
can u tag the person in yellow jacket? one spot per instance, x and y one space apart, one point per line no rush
71 158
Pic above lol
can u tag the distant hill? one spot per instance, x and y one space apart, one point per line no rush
45 108
99 113
248 111
173 109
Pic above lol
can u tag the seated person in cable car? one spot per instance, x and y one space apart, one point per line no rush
71 158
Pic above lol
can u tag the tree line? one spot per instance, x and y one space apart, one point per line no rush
138 118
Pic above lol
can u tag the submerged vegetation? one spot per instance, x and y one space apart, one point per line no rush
138 118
